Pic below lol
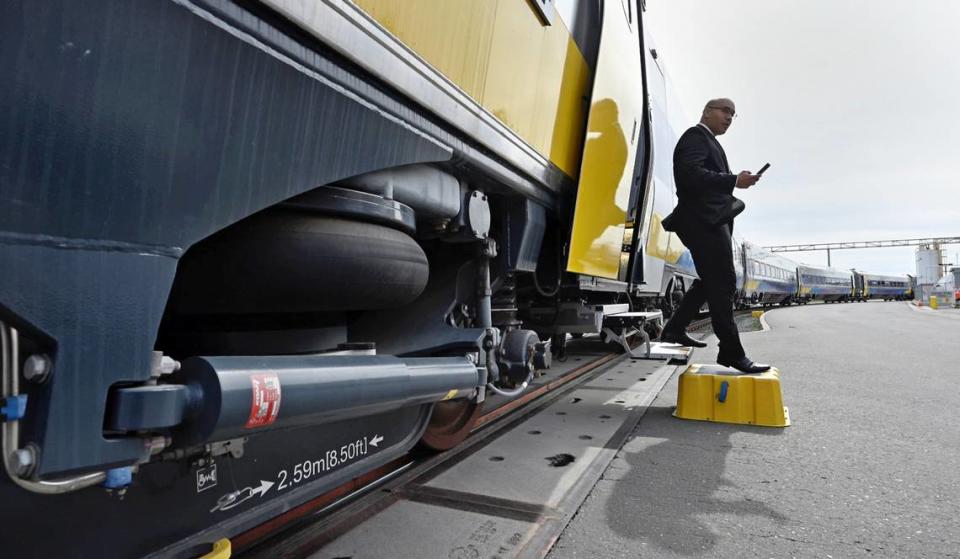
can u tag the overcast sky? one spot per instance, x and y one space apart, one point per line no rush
854 103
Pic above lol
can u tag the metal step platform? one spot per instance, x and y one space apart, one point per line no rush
620 327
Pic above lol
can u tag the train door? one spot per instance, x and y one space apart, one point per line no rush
660 200
601 222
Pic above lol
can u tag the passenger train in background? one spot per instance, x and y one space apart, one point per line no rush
768 279
252 250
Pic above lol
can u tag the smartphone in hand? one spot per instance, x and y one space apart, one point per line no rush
764 168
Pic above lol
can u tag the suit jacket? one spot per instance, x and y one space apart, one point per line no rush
704 182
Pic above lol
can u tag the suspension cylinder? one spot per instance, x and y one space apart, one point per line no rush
220 398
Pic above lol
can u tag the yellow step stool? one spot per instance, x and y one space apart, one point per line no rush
725 395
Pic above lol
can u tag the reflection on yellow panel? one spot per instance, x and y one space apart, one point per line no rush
530 76
658 243
662 244
606 172
676 249
598 226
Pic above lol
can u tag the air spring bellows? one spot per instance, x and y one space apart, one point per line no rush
287 261
230 397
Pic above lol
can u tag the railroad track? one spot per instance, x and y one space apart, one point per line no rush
308 527
312 525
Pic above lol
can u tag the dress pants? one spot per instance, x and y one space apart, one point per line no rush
712 252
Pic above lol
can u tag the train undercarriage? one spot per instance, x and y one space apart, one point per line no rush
241 269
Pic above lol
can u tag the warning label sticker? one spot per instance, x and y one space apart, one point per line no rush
265 404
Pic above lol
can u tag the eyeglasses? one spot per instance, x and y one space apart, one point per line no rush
726 110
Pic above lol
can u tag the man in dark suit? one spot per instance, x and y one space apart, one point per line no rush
703 219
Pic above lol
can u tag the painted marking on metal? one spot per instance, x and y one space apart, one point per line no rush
333 458
235 498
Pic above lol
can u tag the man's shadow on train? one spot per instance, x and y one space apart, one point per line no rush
671 476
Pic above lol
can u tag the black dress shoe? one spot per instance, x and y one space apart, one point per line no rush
744 365
682 339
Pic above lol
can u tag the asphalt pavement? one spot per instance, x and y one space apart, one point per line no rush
869 468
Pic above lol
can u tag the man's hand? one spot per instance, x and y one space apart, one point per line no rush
746 180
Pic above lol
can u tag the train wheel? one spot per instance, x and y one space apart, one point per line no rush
450 423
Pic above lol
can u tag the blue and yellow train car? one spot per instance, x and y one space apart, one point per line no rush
823 284
886 287
768 279
253 249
